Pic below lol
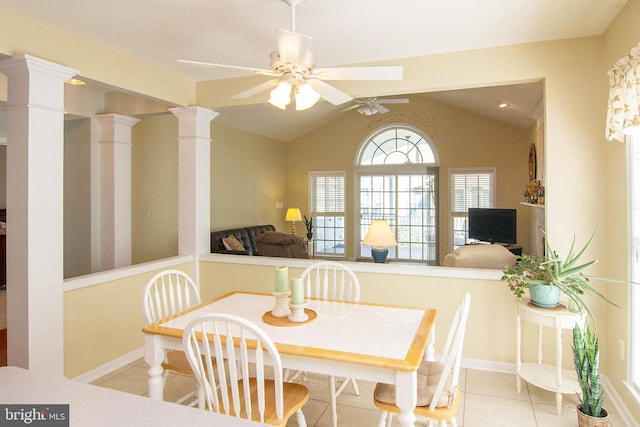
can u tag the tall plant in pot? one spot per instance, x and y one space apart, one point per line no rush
308 222
567 275
586 359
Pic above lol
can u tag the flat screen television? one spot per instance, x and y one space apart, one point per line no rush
492 225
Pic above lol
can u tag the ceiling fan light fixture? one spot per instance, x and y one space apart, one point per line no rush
306 97
281 95
366 110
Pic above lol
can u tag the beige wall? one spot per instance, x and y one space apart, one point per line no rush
248 177
77 197
154 188
461 139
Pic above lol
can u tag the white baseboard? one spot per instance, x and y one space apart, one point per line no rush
485 365
614 397
111 366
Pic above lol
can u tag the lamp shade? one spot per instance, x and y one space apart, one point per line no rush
293 214
380 235
305 96
281 95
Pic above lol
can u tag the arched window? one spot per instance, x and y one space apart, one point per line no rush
397 180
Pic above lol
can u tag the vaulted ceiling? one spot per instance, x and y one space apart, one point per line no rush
349 32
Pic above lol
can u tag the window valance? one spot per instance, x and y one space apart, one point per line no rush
623 112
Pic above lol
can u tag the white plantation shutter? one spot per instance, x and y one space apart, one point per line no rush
472 189
327 210
327 193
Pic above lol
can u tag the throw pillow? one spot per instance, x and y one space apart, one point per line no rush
232 244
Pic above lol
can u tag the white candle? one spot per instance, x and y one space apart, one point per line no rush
282 278
297 291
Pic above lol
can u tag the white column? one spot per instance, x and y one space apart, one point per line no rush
35 155
115 190
194 182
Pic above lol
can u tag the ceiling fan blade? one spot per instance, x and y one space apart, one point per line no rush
350 108
293 48
380 108
257 89
384 72
392 101
328 92
232 67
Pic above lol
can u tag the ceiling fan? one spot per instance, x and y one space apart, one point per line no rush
370 106
294 68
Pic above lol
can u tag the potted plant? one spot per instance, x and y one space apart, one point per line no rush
554 275
586 359
567 276
308 222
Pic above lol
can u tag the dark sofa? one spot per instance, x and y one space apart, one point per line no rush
260 240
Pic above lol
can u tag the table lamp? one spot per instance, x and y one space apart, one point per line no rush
379 237
293 215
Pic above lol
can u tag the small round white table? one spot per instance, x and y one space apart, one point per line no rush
548 377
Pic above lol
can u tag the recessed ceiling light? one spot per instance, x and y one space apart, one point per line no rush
503 105
75 82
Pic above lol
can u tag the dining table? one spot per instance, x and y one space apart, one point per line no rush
370 342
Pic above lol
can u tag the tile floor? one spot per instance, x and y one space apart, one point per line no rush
489 399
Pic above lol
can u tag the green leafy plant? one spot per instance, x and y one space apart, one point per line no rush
586 359
308 222
567 273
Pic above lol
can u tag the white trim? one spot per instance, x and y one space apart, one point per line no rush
110 366
124 272
616 400
3 140
393 268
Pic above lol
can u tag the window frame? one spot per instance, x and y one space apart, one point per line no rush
313 175
453 214
395 169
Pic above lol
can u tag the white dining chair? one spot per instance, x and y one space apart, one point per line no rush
333 281
438 393
167 293
220 348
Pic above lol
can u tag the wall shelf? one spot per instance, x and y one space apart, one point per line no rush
532 205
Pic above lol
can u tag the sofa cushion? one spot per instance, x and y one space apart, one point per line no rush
276 238
232 244
280 244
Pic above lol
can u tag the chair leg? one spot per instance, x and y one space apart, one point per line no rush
332 390
355 386
302 422
383 418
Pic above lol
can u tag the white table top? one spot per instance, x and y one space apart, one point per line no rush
374 335
95 406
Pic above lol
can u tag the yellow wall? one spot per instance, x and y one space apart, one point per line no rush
461 140
154 187
104 321
248 177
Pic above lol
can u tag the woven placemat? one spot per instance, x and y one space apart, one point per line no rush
269 319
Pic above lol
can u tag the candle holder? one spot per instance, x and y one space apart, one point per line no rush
297 313
281 308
